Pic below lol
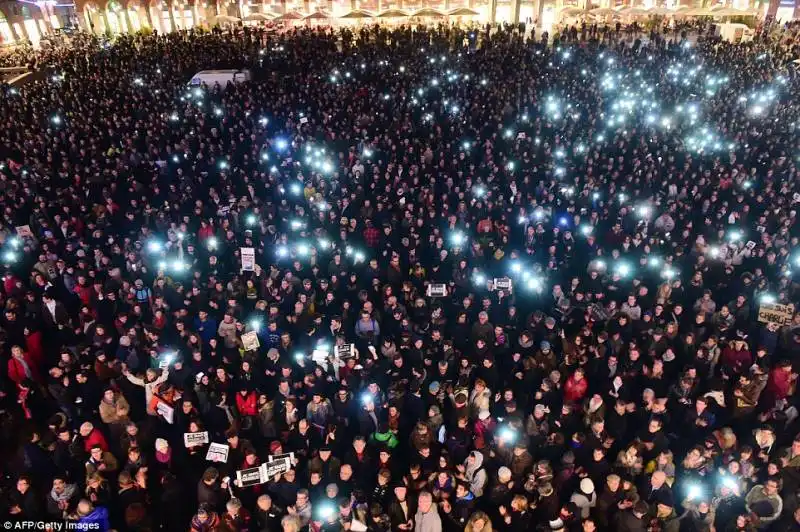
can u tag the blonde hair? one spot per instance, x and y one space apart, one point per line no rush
479 516
291 523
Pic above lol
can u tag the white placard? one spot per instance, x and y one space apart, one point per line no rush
277 467
252 476
193 439
503 283
250 341
248 256
165 411
218 452
343 351
437 290
304 120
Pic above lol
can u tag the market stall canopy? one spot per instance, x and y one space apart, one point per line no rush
632 11
602 11
225 19
731 12
257 16
291 15
572 10
427 12
358 13
317 15
392 13
462 12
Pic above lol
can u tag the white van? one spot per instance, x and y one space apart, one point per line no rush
211 77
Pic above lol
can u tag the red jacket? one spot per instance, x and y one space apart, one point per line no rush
16 370
33 345
95 438
575 390
247 404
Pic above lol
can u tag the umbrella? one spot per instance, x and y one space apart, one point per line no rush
602 11
660 11
316 15
257 16
225 19
462 12
358 13
427 12
392 13
291 15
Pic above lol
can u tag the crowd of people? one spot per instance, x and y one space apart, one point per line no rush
446 279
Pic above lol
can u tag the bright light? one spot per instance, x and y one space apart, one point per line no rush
668 273
302 250
507 435
596 196
56 120
367 398
218 111
516 267
295 189
479 279
457 238
263 121
173 117
360 256
563 221
223 165
10 256
282 251
644 211
255 324
734 236
326 511
251 220
212 242
367 153
694 492
296 224
730 482
623 270
162 266
324 243
281 144
154 246
327 167
653 261
522 219
178 266
714 251
14 242
480 191
767 298
586 230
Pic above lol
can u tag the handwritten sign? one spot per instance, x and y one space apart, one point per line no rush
775 313
193 439
218 452
250 341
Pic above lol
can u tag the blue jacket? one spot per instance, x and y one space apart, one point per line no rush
99 516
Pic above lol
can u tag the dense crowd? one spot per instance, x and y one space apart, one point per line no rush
433 280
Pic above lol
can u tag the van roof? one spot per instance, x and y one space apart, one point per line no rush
219 71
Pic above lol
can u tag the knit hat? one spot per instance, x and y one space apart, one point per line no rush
274 447
587 486
161 445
